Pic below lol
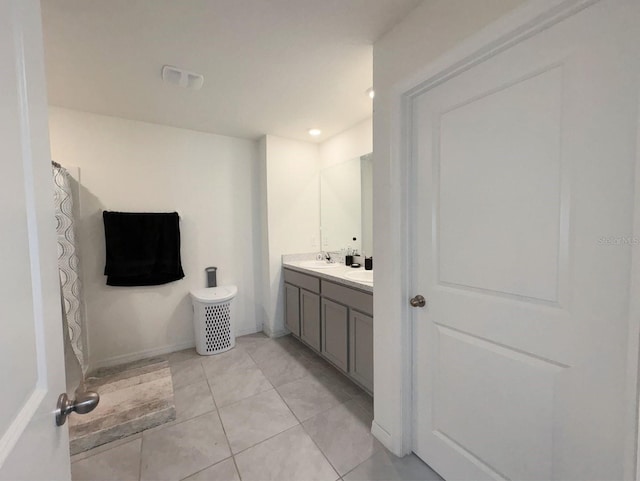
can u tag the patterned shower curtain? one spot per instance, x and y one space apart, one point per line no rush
68 264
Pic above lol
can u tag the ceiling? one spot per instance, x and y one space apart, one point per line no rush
275 67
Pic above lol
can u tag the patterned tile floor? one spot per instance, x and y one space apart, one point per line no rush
270 409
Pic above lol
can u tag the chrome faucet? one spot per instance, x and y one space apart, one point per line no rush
325 256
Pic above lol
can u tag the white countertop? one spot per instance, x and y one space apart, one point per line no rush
335 274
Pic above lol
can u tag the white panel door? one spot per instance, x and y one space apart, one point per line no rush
31 349
523 200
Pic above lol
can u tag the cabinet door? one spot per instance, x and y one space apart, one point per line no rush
335 333
361 348
310 318
292 308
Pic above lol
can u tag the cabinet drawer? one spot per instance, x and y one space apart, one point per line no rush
299 279
351 297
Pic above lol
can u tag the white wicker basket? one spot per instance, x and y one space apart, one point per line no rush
213 319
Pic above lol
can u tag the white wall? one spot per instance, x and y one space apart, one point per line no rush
210 180
291 188
353 142
290 203
434 27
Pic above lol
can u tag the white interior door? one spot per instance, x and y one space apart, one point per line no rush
31 349
524 209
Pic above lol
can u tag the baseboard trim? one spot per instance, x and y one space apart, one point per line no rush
156 351
136 356
282 332
246 332
385 438
274 334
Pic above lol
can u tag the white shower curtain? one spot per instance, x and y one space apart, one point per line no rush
68 264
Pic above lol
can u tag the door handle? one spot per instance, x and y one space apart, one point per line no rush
418 301
84 403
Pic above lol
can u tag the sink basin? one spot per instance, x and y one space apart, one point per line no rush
360 276
318 264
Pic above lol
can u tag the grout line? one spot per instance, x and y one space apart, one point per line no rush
312 439
288 407
270 388
266 439
321 451
203 469
173 423
376 452
190 383
133 437
224 431
349 398
140 463
206 379
340 403
239 372
192 417
236 465
248 397
252 358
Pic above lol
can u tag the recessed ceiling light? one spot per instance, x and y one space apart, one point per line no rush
370 92
314 132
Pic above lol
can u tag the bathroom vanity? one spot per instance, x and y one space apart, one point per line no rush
332 313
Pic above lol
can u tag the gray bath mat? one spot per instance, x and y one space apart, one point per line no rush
133 397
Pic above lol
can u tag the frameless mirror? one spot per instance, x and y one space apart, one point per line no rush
346 205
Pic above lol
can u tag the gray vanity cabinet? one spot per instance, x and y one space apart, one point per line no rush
361 348
335 333
292 308
302 306
333 319
310 318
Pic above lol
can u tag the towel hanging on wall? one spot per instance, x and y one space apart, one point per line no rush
142 249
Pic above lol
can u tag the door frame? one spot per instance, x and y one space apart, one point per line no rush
524 22
632 414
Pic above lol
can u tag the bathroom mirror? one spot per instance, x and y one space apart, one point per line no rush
346 205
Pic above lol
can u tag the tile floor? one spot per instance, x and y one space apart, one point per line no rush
266 410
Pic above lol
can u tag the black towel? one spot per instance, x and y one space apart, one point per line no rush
143 249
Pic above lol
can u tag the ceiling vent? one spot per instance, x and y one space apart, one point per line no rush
183 78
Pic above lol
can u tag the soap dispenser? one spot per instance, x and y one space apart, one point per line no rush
368 263
348 257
